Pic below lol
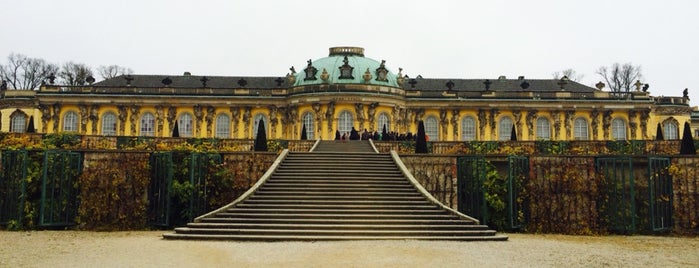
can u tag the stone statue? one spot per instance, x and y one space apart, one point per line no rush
517 114
685 93
84 116
556 115
482 122
159 115
632 123
94 117
568 122
56 117
531 117
606 123
594 115
133 118
645 114
198 118
493 114
235 118
454 123
329 114
123 114
45 116
210 112
443 120
171 116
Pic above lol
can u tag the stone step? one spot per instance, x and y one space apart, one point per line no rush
304 192
331 198
303 180
348 211
338 226
277 237
334 202
345 221
354 207
326 216
270 188
340 178
307 164
337 232
337 184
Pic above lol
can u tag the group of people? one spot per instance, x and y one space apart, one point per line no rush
377 136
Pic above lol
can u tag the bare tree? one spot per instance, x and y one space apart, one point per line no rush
74 74
570 73
111 71
22 72
620 78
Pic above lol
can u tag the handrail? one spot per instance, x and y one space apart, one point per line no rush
371 141
252 189
424 192
314 145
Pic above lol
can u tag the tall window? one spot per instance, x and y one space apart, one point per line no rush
70 122
384 121
309 124
18 122
256 123
223 126
618 129
543 129
432 128
468 128
184 125
670 131
147 125
345 122
505 129
580 129
109 124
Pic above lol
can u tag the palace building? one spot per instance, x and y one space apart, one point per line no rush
339 92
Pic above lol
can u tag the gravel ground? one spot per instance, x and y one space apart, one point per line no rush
148 249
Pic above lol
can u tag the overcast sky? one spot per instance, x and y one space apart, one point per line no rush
437 39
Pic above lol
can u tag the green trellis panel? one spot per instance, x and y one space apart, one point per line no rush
59 194
517 205
618 200
13 185
471 174
199 172
159 189
661 195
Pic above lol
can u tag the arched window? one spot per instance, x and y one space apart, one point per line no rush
147 125
70 121
109 124
18 122
223 126
432 128
670 130
543 129
345 122
618 129
184 125
309 124
580 129
468 128
505 129
256 124
384 120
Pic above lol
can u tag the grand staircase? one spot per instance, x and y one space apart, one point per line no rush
340 191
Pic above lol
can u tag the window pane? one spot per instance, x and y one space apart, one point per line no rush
580 129
618 129
309 124
543 129
18 123
223 126
432 128
345 123
109 124
147 123
383 120
184 125
256 123
468 129
70 122
505 129
670 131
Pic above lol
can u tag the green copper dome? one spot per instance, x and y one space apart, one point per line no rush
345 65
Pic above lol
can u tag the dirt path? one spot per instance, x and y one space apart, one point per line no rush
148 249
